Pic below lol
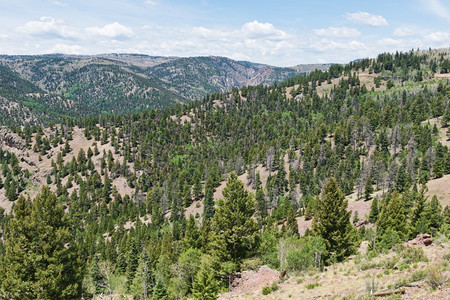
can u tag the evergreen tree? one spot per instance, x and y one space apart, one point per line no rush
206 286
332 222
433 213
42 260
393 217
291 222
373 215
233 224
159 290
208 203
368 189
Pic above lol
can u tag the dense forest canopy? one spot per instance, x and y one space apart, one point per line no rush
371 129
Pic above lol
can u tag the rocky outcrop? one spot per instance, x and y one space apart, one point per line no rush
421 240
10 139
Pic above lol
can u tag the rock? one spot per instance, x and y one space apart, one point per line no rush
10 139
361 223
423 239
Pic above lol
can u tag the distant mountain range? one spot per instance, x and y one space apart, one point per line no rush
39 88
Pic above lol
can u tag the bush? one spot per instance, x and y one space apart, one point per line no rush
266 290
269 289
312 285
413 255
435 278
418 275
252 264
371 285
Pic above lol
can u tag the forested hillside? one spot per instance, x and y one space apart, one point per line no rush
172 203
46 88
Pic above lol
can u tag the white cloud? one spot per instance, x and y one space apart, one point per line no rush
438 37
150 2
403 31
437 8
389 42
113 30
339 32
362 17
66 49
257 30
48 27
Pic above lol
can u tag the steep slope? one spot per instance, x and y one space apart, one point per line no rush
196 76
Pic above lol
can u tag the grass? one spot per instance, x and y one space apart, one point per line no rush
312 285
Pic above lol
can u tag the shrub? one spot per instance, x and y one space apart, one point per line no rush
435 278
413 255
266 290
371 285
312 285
251 264
418 275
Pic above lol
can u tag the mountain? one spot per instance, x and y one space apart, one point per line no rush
71 85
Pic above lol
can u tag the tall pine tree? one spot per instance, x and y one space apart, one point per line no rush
233 223
42 261
332 222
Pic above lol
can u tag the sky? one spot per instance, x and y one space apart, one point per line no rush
279 33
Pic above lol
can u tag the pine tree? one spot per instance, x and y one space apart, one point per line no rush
233 224
332 222
41 261
373 215
368 189
261 204
192 234
206 286
433 213
393 217
208 203
291 223
159 290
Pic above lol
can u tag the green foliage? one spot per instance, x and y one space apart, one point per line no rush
332 223
159 290
41 259
206 286
305 253
393 217
235 229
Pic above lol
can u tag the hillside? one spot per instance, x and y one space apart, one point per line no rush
47 87
148 200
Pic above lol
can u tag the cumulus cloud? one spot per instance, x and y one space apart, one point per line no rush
339 32
114 30
48 27
438 37
403 31
257 30
362 17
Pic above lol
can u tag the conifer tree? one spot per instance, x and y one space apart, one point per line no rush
233 224
42 260
291 222
373 215
205 286
332 222
208 203
393 217
159 290
368 189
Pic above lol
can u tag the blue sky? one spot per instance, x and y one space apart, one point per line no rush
281 33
